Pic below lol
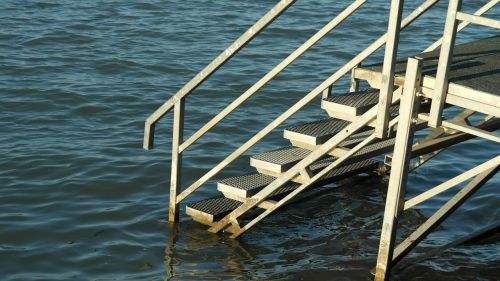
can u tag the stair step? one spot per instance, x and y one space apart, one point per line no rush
211 210
279 161
316 132
241 187
311 134
350 105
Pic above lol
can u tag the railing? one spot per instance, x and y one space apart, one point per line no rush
178 100
450 32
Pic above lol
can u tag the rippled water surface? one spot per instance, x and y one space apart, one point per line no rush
80 199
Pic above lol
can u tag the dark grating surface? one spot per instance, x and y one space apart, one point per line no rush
251 183
322 130
351 170
215 206
474 65
282 156
381 145
248 182
361 100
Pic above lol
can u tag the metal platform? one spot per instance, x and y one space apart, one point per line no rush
474 75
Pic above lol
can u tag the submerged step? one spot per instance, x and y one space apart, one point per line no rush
211 210
350 105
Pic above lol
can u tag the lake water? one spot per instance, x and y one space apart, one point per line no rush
80 199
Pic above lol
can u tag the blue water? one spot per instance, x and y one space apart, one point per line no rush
80 199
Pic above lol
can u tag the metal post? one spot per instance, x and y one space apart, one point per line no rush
327 92
175 176
400 163
354 85
441 86
387 87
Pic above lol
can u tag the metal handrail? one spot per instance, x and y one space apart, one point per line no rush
275 71
486 7
220 60
304 101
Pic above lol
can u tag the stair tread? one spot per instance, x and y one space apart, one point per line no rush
319 128
214 205
282 156
248 185
361 99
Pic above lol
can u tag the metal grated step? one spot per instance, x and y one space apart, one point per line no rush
308 135
352 104
242 187
279 161
316 132
211 210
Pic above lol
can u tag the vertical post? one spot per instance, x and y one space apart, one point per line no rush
354 86
327 92
175 176
441 86
387 83
400 163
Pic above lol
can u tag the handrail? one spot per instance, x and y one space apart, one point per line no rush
486 7
305 100
275 71
450 31
220 60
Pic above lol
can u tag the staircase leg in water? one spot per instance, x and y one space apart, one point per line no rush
400 163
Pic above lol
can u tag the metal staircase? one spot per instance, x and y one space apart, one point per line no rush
362 125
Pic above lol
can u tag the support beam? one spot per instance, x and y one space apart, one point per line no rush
452 182
478 20
175 176
443 68
397 182
391 51
440 215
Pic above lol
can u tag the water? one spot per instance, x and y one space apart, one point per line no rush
80 199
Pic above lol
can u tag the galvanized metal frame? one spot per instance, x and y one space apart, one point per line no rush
395 204
443 68
440 215
305 100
